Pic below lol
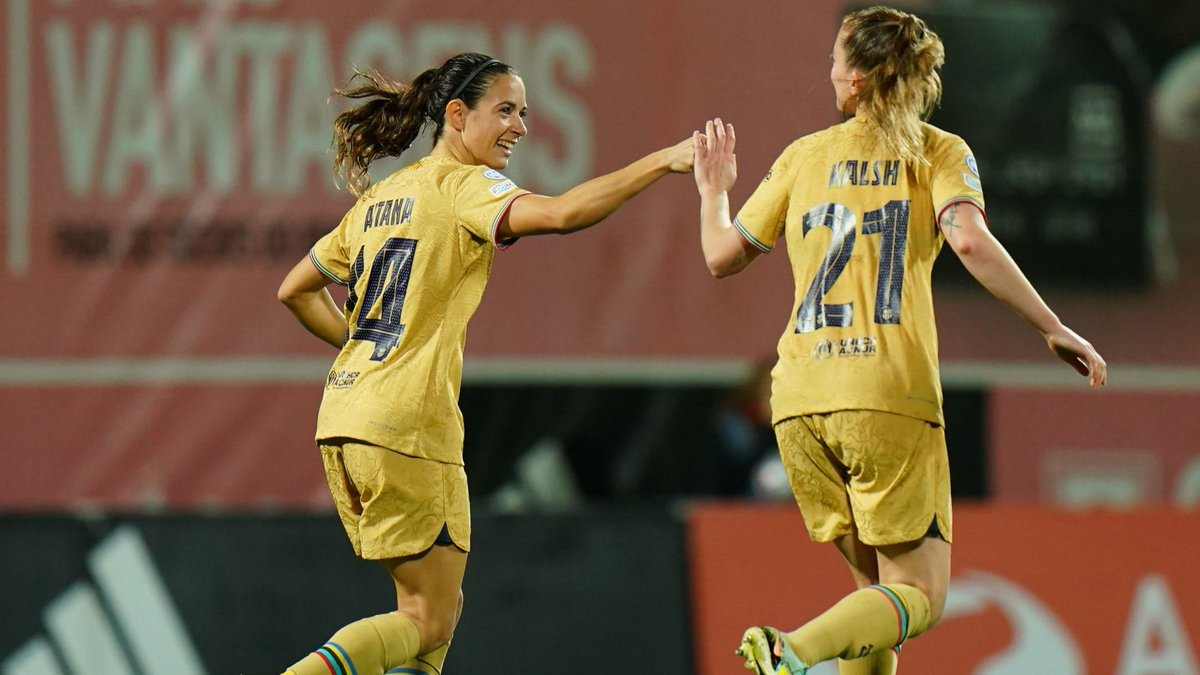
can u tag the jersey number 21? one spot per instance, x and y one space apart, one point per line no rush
891 224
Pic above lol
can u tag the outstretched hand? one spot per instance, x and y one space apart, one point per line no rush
716 164
680 156
1079 354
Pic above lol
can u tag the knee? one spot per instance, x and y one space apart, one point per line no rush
436 624
937 606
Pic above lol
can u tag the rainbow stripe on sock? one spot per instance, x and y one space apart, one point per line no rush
336 659
901 612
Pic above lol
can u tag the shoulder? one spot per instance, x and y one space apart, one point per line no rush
795 152
818 138
939 140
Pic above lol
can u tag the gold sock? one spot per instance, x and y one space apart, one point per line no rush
375 644
879 662
870 619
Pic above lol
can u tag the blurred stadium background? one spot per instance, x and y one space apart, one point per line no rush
164 511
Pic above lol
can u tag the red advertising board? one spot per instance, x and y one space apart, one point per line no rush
167 161
1079 448
1034 591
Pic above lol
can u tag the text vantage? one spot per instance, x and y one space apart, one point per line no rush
223 105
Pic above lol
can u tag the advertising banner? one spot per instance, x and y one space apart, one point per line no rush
221 595
1120 448
168 161
1033 590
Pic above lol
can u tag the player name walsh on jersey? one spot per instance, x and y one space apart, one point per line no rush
389 212
864 172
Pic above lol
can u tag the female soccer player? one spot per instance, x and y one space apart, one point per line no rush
415 252
857 404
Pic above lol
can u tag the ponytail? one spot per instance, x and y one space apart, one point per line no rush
393 113
900 58
385 125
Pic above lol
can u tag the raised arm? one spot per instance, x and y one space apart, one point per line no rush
588 203
726 251
303 291
985 258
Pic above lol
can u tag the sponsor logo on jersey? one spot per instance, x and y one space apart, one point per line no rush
972 165
494 175
341 380
823 350
501 188
861 346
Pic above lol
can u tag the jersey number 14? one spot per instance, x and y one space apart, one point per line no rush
387 286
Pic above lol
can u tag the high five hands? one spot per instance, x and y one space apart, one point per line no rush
715 164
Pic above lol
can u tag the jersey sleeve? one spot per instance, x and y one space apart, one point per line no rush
481 201
331 253
761 219
955 176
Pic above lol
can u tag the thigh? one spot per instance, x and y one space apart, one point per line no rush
818 479
861 558
429 592
899 475
429 583
397 505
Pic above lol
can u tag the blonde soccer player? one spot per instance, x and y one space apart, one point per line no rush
415 253
865 206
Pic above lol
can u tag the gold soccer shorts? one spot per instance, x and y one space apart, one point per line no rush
885 475
393 505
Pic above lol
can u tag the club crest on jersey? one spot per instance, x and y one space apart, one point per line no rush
494 175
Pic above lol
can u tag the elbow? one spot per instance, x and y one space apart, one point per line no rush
720 268
287 295
719 271
964 249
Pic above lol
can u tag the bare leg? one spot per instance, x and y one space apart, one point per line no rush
924 564
429 592
428 602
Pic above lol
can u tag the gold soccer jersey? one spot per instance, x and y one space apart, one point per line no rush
415 253
862 237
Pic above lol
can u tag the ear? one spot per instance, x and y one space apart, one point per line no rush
456 114
856 81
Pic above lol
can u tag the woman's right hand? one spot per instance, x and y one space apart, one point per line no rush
715 163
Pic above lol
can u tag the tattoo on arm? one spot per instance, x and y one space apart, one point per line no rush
948 224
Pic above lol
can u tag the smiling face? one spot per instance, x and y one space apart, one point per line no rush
493 127
844 78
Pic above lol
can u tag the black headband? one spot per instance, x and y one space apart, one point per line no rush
469 78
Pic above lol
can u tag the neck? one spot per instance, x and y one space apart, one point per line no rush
451 146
